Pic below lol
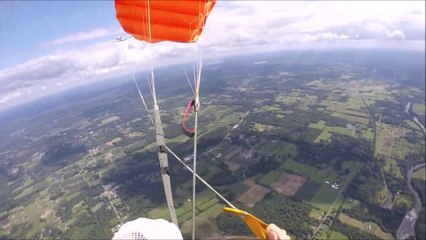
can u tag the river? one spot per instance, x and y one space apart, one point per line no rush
407 110
406 229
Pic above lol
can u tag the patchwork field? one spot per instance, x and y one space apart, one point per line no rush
328 130
268 178
253 195
288 184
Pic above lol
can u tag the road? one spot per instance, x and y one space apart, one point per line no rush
230 131
406 229
332 205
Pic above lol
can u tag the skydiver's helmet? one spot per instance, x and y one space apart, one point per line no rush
146 229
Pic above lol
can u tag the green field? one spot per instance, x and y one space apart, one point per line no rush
419 108
369 227
391 167
268 178
300 168
351 166
354 104
341 130
420 174
326 133
307 191
412 124
313 173
262 128
369 134
319 125
204 200
282 149
337 236
204 221
325 197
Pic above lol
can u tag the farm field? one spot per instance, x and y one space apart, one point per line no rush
288 184
367 227
303 129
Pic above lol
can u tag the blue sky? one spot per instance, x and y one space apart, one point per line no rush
28 27
48 46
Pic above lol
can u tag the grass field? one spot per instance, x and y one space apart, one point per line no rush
288 184
262 128
419 108
25 192
237 188
369 134
352 165
341 130
412 124
300 168
319 125
324 197
369 227
281 149
337 236
354 104
307 191
183 212
420 174
313 173
268 178
350 203
253 195
288 149
351 118
205 223
391 167
327 131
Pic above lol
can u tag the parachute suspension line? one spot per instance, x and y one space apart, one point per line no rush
149 84
201 179
143 100
189 82
162 154
194 168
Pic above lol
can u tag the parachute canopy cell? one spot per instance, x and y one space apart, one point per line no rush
164 20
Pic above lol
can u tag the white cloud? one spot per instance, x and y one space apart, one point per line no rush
84 36
232 26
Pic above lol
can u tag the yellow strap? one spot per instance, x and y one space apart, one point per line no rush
257 226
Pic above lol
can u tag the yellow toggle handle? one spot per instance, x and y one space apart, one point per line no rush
257 226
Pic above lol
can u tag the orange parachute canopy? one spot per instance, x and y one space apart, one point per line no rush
164 20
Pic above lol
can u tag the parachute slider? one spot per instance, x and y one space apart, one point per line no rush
257 226
189 132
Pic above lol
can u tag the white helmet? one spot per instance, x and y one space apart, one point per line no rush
147 229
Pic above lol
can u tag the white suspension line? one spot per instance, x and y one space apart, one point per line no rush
143 100
201 179
197 107
189 82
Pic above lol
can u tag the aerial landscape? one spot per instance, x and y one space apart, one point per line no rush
320 142
324 143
